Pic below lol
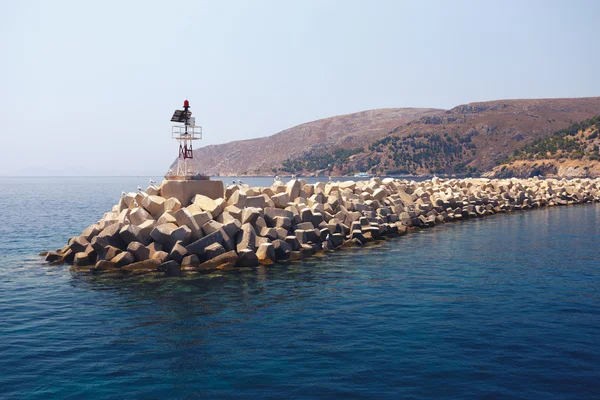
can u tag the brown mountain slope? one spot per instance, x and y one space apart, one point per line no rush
260 156
570 152
467 138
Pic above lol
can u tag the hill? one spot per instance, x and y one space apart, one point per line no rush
260 156
470 138
569 152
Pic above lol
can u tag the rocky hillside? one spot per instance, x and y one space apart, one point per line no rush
471 138
261 156
569 152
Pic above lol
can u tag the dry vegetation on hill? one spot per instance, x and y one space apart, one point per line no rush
569 152
471 138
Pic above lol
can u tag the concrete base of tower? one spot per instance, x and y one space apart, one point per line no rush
184 190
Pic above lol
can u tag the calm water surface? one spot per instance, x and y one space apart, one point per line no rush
503 307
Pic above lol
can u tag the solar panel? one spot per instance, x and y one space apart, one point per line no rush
178 116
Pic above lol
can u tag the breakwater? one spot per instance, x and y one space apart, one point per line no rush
148 232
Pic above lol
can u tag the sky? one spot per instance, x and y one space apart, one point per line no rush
89 87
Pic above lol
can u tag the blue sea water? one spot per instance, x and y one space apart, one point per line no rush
502 307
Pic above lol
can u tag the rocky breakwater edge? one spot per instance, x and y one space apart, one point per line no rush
252 226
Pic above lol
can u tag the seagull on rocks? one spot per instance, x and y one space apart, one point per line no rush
123 194
277 178
135 204
293 176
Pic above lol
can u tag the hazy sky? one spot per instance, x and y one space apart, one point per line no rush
88 87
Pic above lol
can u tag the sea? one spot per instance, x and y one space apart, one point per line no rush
504 307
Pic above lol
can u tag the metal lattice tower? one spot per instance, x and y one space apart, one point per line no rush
185 134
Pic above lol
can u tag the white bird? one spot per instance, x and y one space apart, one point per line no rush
127 221
152 182
293 176
277 179
135 204
123 194
240 181
139 189
330 178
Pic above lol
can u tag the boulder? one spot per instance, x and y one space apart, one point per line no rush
282 250
234 211
271 213
154 205
122 259
153 248
281 233
281 200
201 217
82 259
225 260
52 256
108 237
238 199
283 222
211 251
142 266
163 234
177 253
190 261
306 215
160 255
266 254
293 242
246 238
104 265
200 245
247 258
255 201
78 244
152 190
214 207
231 228
90 232
379 194
109 252
171 204
167 218
225 217
184 217
182 234
211 227
129 233
170 268
139 251
293 188
250 215
270 233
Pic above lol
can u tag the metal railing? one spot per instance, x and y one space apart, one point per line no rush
193 133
